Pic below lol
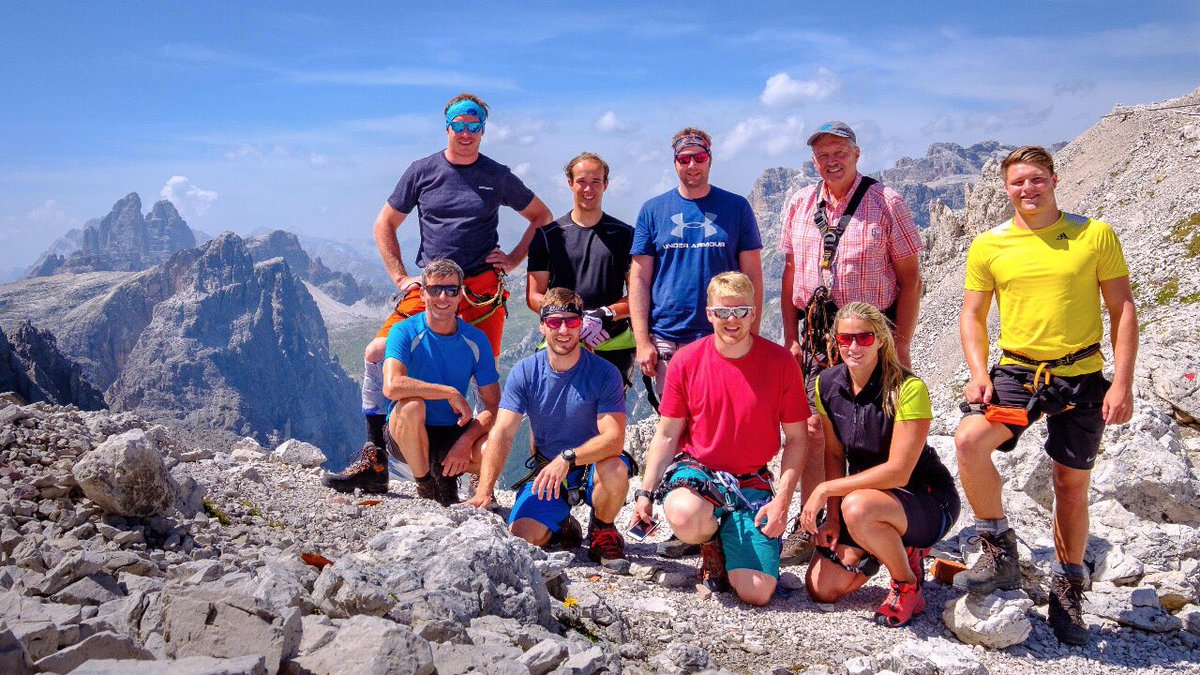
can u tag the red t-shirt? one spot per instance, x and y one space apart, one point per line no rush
733 407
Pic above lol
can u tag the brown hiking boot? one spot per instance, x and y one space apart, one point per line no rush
368 473
427 487
447 487
998 567
673 548
712 566
1066 610
797 547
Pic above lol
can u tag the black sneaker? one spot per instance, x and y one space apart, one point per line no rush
712 571
427 487
447 487
606 547
998 567
674 548
368 473
569 535
1066 610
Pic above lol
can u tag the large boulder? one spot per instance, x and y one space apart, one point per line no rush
227 623
366 645
293 451
461 565
125 475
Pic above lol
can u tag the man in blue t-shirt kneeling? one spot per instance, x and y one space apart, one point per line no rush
429 363
575 401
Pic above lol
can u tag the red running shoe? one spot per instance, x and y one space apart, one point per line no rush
916 561
903 603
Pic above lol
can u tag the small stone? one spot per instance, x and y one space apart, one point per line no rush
105 645
543 657
304 454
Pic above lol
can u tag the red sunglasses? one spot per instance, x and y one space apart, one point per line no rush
697 157
863 339
556 322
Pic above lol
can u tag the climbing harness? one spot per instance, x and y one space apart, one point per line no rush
722 489
575 494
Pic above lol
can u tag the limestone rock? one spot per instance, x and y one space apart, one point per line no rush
681 658
994 621
543 657
13 657
205 622
293 451
192 665
126 476
1129 607
367 645
934 656
105 645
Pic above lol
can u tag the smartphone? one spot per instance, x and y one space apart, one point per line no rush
641 529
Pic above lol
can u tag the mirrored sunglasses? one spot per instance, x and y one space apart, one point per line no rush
443 289
863 339
697 157
556 322
472 127
735 312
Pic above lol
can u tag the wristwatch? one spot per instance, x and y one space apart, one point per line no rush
643 493
569 455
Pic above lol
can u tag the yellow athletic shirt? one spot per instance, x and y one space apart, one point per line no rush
912 403
1047 286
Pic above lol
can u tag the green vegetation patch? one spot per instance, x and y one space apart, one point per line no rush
1187 232
212 511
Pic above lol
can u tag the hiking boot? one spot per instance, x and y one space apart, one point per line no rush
997 568
368 473
797 548
447 487
427 487
606 547
903 603
1066 610
673 548
569 535
916 562
712 566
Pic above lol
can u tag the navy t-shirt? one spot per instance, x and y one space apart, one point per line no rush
592 261
692 240
458 206
562 407
452 360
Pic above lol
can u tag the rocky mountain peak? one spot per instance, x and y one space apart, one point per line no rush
225 261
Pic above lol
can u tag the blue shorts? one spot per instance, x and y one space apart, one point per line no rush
552 512
746 547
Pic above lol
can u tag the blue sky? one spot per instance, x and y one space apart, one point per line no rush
302 117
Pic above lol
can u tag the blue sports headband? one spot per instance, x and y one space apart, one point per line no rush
466 107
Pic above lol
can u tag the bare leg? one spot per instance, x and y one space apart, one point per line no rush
828 582
611 485
690 516
877 521
408 428
1070 513
531 531
976 439
752 587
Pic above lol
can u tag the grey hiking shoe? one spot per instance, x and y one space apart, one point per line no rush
674 548
797 548
997 568
1066 610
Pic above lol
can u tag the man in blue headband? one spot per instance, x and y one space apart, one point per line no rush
457 193
683 238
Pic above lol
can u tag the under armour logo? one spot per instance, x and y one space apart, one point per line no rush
680 226
1062 236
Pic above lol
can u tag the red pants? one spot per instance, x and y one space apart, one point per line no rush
488 318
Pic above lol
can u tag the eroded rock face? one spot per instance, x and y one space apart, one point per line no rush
367 645
126 476
995 621
32 367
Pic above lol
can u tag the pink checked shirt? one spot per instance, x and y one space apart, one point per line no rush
882 230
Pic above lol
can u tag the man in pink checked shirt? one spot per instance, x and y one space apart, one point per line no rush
846 239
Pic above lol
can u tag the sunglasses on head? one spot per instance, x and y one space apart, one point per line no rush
443 289
697 157
735 312
472 127
863 339
556 322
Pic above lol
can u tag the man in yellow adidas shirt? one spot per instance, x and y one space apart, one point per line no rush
1048 271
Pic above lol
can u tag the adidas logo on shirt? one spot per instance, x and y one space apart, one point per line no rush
1062 236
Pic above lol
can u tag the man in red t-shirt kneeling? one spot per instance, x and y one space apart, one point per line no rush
725 399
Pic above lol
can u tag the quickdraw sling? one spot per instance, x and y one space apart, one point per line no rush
820 310
721 489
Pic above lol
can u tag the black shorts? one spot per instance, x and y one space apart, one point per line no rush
1072 437
441 439
623 360
930 513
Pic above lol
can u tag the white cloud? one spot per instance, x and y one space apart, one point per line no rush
49 215
522 131
256 151
1015 118
191 200
317 160
608 123
522 170
768 135
782 90
941 125
618 184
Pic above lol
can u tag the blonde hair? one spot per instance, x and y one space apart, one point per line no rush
1028 154
561 296
730 284
894 374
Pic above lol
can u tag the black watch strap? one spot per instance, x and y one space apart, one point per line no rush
643 493
569 455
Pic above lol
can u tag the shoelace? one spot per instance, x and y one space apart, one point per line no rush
607 543
366 460
991 551
1074 595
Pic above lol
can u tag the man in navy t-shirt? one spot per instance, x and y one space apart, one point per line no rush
576 407
683 238
457 193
